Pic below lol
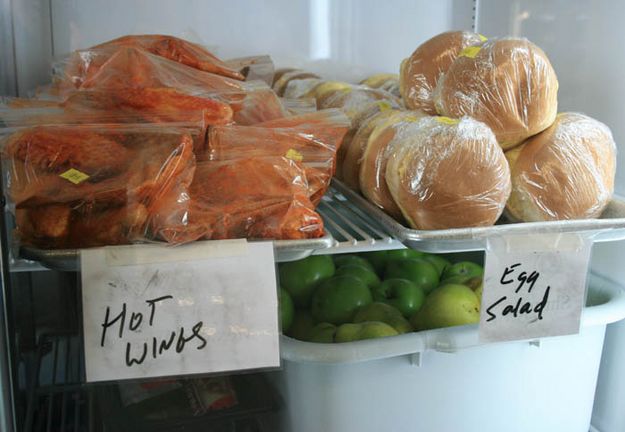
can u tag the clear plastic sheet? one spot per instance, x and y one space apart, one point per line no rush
254 197
300 106
374 159
565 172
507 83
93 185
420 72
254 68
384 81
445 173
352 99
311 139
179 50
301 88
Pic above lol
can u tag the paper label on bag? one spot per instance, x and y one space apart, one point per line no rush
534 286
482 37
74 176
151 311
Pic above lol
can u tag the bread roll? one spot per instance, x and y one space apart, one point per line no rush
351 100
445 173
355 149
384 81
420 72
373 165
359 115
280 85
565 172
506 83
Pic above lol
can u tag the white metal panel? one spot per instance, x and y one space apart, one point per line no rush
345 39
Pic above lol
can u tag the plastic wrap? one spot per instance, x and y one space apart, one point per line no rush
296 107
565 172
93 185
280 85
374 159
255 197
301 88
383 81
254 68
507 83
311 139
179 50
351 100
445 173
350 170
420 72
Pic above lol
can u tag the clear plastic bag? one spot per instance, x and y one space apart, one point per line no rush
507 83
254 197
299 106
254 68
383 81
180 51
351 100
301 88
420 72
311 139
281 83
565 172
94 185
372 174
446 173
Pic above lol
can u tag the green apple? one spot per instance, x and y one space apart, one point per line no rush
402 254
367 330
402 294
301 326
365 274
463 269
337 299
437 261
477 285
322 333
418 271
349 259
447 306
378 311
286 309
377 259
301 277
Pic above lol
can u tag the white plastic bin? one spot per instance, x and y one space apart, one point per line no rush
443 381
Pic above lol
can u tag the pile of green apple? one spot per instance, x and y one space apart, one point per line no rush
376 294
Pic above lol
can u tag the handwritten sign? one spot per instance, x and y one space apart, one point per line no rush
152 311
534 286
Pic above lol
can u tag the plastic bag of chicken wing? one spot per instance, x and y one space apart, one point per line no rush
310 139
261 197
84 185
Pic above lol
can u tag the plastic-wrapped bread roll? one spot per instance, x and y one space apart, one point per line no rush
355 150
301 88
506 83
372 176
565 172
352 99
446 173
279 86
420 72
359 115
383 81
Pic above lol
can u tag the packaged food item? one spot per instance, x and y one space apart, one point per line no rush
420 72
93 185
254 68
256 197
350 171
360 116
255 104
301 88
565 172
311 139
351 100
372 175
178 50
383 81
299 106
278 74
446 173
507 83
279 86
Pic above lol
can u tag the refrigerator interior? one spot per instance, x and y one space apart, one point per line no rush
345 40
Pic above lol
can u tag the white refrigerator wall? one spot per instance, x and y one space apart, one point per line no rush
583 39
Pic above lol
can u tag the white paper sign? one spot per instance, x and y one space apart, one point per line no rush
152 311
534 286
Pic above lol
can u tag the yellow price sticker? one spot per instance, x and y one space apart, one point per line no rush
470 52
384 106
447 120
482 37
74 176
294 155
